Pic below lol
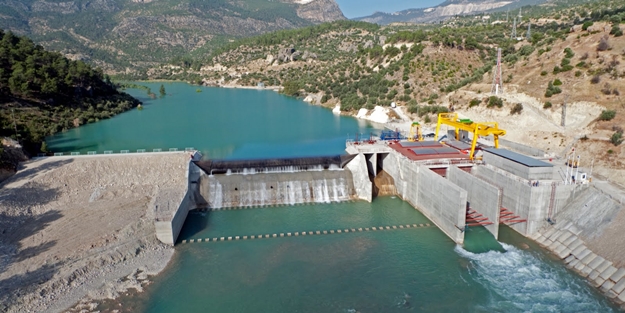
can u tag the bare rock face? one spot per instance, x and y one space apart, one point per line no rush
309 55
440 12
284 55
319 11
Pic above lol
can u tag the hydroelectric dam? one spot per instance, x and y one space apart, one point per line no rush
451 189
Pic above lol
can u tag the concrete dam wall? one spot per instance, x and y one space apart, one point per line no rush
481 196
221 191
443 202
243 183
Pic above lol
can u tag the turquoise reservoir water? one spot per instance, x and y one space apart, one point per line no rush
401 270
220 122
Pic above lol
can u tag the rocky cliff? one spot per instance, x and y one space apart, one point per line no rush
446 9
319 11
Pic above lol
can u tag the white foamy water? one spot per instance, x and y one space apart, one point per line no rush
520 282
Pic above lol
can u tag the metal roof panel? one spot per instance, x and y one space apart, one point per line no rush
424 151
519 158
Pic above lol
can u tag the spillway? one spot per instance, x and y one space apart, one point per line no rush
274 181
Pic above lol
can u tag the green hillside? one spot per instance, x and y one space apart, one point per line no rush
125 36
43 92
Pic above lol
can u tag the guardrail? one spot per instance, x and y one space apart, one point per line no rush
125 151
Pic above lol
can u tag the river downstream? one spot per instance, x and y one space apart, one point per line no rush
397 270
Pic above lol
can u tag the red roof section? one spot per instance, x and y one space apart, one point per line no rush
427 150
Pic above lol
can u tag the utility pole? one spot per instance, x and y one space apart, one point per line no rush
563 121
514 29
529 31
591 165
497 78
507 13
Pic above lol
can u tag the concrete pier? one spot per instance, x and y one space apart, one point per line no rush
481 196
171 208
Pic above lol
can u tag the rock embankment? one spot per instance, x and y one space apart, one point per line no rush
82 228
588 237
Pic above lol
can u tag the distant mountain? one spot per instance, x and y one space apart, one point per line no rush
445 10
122 35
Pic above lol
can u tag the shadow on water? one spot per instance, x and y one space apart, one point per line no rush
59 140
196 222
18 225
82 147
479 240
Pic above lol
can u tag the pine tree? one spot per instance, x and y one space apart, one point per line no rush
162 91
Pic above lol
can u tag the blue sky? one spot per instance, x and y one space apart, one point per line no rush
359 8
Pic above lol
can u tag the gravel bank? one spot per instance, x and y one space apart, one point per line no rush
77 229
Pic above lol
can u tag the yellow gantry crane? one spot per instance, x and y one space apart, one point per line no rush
478 129
415 132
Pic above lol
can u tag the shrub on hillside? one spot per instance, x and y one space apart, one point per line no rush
568 53
526 50
557 82
516 109
494 101
474 102
552 90
547 105
603 44
586 25
607 115
595 79
617 138
325 98
607 89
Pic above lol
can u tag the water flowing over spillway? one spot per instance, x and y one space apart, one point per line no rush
261 189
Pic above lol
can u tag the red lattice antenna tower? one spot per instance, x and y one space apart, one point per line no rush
497 78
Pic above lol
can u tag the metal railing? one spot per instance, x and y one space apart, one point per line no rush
124 151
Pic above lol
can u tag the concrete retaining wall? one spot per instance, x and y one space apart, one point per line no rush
363 187
442 202
172 206
517 195
167 231
590 211
528 202
521 148
482 196
437 198
404 174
